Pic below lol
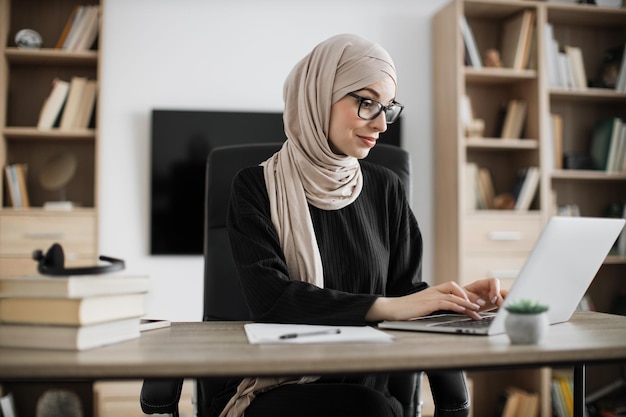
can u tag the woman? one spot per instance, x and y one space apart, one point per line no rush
320 237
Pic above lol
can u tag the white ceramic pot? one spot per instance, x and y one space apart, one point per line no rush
526 329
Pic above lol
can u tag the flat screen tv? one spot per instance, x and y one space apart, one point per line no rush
181 140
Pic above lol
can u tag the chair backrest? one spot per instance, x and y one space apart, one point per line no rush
223 298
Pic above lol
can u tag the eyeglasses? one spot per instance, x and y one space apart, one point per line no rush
369 109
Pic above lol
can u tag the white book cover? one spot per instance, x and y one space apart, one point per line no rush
529 188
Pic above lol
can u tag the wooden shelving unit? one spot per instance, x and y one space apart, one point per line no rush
471 244
26 77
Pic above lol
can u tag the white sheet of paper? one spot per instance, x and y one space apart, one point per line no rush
262 333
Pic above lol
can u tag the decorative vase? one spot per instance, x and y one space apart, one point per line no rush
526 328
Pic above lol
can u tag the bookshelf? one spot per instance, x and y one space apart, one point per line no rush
26 78
471 242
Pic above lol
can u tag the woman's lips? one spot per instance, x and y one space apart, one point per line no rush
369 141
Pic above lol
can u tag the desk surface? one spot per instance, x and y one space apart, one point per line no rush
221 349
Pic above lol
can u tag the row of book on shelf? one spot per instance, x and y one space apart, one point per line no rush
73 312
70 104
565 63
481 194
566 66
517 402
81 29
516 49
607 146
15 180
511 120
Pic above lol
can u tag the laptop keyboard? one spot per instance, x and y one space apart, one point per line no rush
472 324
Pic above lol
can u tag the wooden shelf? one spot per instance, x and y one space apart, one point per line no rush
497 75
501 144
19 133
26 80
589 94
584 175
585 15
616 260
459 251
50 56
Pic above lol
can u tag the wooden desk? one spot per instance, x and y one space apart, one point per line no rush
216 349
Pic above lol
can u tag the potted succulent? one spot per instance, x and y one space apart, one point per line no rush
526 322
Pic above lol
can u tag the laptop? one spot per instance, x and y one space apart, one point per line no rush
557 273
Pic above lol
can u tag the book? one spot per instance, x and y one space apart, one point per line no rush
528 189
520 403
68 337
516 38
87 104
53 104
557 139
71 311
603 133
73 286
514 119
565 70
470 44
7 406
577 66
485 188
20 173
15 179
84 29
146 324
616 148
551 47
512 403
89 32
68 26
69 38
13 190
74 102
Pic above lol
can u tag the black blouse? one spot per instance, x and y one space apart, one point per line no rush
372 247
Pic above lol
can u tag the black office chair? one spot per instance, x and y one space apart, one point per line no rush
223 298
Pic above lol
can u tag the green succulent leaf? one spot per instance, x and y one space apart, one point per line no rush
526 307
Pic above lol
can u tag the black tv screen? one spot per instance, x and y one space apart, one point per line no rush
181 140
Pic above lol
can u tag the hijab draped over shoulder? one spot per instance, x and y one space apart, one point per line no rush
306 170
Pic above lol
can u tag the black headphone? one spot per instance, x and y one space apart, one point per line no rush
53 263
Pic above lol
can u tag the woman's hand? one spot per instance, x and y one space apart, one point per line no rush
486 293
447 296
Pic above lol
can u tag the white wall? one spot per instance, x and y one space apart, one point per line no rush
204 54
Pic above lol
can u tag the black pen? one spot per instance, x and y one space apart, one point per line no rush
316 333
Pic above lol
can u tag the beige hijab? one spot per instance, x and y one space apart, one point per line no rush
306 171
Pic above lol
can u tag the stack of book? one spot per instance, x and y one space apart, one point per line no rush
566 67
71 313
70 104
561 389
15 179
81 29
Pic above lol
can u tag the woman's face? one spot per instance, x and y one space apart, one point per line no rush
349 134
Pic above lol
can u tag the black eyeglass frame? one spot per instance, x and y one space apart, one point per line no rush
381 106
